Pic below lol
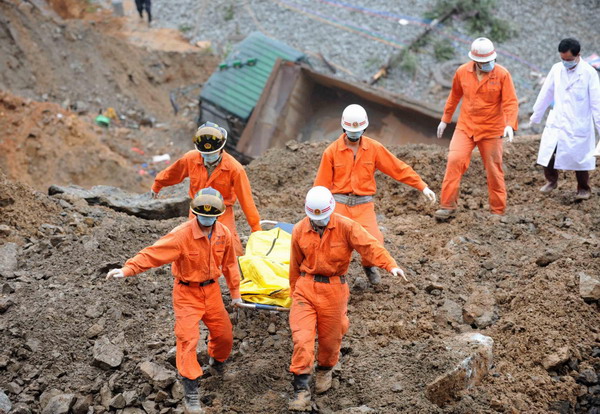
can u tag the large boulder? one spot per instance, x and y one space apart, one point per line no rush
5 405
475 355
175 204
61 404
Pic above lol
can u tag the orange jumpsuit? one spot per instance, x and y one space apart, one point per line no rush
488 107
196 259
229 178
322 307
342 173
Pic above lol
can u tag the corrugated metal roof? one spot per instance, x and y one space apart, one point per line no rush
237 90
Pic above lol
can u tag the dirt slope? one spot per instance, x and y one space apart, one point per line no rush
390 351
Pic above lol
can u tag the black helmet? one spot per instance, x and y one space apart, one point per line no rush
208 202
210 138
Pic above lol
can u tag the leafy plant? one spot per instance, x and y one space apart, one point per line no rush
229 13
443 50
184 28
408 61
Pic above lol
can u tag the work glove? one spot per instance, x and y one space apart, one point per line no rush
234 302
396 271
429 194
153 195
116 273
508 132
441 127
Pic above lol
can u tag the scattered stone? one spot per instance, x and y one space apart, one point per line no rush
146 389
94 312
106 355
480 309
5 304
32 344
82 404
397 387
239 333
450 312
60 404
20 408
477 350
149 407
434 286
177 391
118 401
272 329
588 377
130 397
589 286
172 357
5 405
292 145
558 359
14 388
140 205
358 410
7 289
5 230
548 257
160 377
47 395
360 283
161 396
94 330
8 259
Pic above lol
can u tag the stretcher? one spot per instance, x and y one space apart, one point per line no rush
265 268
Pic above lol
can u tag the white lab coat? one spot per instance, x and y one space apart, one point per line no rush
570 125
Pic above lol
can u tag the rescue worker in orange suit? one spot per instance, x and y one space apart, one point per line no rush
210 166
348 170
488 113
322 246
200 250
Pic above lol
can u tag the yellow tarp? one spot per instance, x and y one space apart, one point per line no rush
265 268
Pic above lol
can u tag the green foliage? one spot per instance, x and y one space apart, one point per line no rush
184 28
408 62
479 16
229 13
443 50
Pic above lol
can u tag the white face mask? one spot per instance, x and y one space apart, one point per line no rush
354 136
206 221
322 222
211 158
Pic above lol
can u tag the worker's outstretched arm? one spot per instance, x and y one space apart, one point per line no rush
387 163
370 248
173 174
241 186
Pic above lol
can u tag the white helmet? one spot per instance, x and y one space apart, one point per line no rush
354 118
482 50
319 203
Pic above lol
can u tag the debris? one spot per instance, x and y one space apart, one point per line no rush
161 158
558 359
160 377
102 121
480 309
106 355
60 404
589 286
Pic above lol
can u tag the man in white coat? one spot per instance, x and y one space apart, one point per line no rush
568 139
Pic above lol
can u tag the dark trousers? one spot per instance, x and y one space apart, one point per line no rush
144 4
583 177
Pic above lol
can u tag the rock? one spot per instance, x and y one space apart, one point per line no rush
160 377
476 356
171 357
105 395
7 289
60 404
94 312
358 410
94 330
397 387
32 344
149 407
5 405
272 329
177 391
589 286
47 395
20 408
360 283
140 205
434 286
130 397
480 309
450 312
133 410
14 388
558 359
548 257
118 401
8 259
82 404
106 355
5 230
5 304
587 377
239 333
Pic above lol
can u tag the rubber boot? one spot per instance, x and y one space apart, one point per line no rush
191 400
301 401
444 214
373 274
323 379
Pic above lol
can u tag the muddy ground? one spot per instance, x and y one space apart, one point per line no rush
56 305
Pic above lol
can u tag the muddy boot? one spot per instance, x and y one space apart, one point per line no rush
583 195
301 400
373 274
323 378
216 368
191 401
444 214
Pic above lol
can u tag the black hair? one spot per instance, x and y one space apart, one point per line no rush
569 44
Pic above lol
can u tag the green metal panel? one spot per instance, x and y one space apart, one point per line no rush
237 89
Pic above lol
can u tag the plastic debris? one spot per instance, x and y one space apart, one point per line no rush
161 158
